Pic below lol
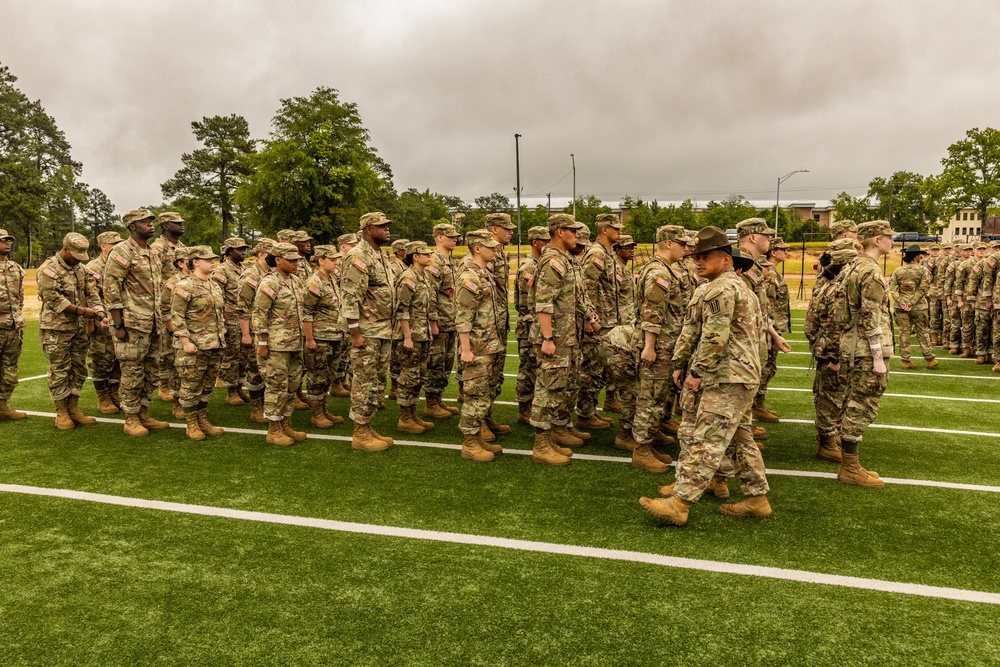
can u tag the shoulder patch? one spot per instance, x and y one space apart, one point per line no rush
753 275
122 259
183 293
663 282
558 266
96 275
268 291
170 286
433 269
49 272
314 289
471 286
597 260
409 283
713 305
360 264
221 277
251 282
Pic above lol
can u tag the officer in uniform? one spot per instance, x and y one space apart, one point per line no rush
341 383
165 247
182 270
246 293
779 305
368 305
396 268
12 322
909 287
198 316
104 369
538 237
232 366
324 332
70 307
132 284
442 275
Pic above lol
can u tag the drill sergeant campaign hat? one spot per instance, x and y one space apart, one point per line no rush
399 244
753 226
840 226
418 248
741 260
77 245
539 234
712 238
608 220
376 218
842 251
136 215
325 251
670 233
233 242
108 238
501 219
201 252
914 249
286 251
874 228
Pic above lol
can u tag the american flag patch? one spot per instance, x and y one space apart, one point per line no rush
49 272
361 265
663 282
122 259
314 289
221 277
409 283
251 282
599 262
182 293
752 275
558 266
471 286
268 291
433 269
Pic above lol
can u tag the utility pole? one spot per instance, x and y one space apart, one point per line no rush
548 206
777 196
573 157
517 167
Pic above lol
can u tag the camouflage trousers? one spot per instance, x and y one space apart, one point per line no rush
496 378
394 360
768 369
343 365
253 380
282 376
321 367
654 399
103 364
720 412
370 365
864 391
984 332
10 352
197 373
556 384
935 318
968 312
591 375
232 364
139 358
440 363
688 402
477 379
526 370
412 373
829 397
168 371
995 349
909 323
953 326
67 355
622 374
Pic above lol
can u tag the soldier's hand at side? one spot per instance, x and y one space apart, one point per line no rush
357 340
311 344
692 383
247 340
783 345
679 377
548 348
834 367
262 351
190 348
408 343
434 329
648 355
121 334
879 367
989 304
104 323
468 357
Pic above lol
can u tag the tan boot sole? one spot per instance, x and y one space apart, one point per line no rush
413 429
550 462
379 446
485 457
854 482
647 504
642 466
744 514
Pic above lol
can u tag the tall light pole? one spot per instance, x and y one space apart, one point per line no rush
573 158
517 167
777 194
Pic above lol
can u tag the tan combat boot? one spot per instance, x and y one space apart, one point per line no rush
63 421
666 491
435 408
257 411
955 350
286 428
759 432
908 365
966 353
643 459
177 410
498 429
9 413
661 440
561 436
105 404
363 439
406 422
671 509
450 408
233 396
491 447
625 441
472 449
384 438
934 362
318 418
980 360
543 451
851 472
763 413
719 487
73 408
671 426
299 401
486 434
206 426
996 366
276 436
593 422
164 393
193 430
244 396
524 413
428 425
829 448
133 426
751 507
576 433
339 390
334 419
611 402
149 423
114 395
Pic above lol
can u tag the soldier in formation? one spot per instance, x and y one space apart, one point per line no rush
909 288
12 323
168 371
538 237
443 276
233 364
165 248
415 327
246 294
324 331
396 267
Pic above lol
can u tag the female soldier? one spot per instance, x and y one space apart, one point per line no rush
324 331
168 369
416 323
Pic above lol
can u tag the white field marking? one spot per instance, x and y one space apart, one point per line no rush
33 377
938 358
919 396
895 427
720 567
590 457
920 374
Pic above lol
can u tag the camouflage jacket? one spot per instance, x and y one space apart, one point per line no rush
558 291
321 305
306 270
961 276
948 277
820 328
132 284
61 285
867 299
277 311
500 267
479 311
661 304
228 274
166 302
247 291
909 285
415 303
932 265
11 295
720 337
777 297
367 294
443 276
198 311
627 308
396 268
96 269
989 267
602 287
523 281
166 252
690 280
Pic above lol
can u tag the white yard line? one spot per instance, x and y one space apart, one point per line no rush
33 377
802 576
918 429
920 374
917 396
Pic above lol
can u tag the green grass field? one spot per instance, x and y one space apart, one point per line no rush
95 583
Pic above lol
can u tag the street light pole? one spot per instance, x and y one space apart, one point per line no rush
573 157
517 166
777 195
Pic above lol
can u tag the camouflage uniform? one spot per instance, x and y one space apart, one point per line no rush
321 305
618 348
527 363
779 306
627 308
720 342
823 334
168 375
166 253
415 302
132 284
909 285
197 311
981 280
442 276
396 268
950 336
249 282
103 364
598 265
232 364
368 298
12 322
933 266
63 334
277 311
481 313
501 277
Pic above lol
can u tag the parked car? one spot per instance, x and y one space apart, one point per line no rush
915 237
731 235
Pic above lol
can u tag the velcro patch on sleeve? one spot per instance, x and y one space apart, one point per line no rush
471 286
714 306
752 275
268 291
597 260
314 289
252 283
409 283
183 293
96 275
122 259
619 277
433 269
559 266
664 283
221 277
360 264
49 272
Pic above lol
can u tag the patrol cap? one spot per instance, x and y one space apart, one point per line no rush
183 253
670 233
777 243
841 226
583 234
995 244
914 249
947 246
376 218
418 248
445 229
937 246
624 241
690 238
4 236
712 238
501 219
106 237
842 251
286 251
981 246
874 228
753 226
233 242
485 240
169 216
476 233
741 260
608 220
563 221
285 235
136 215
539 234
264 246
399 244
325 251
201 252
349 238
965 246
77 244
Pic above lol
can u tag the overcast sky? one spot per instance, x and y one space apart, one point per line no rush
699 99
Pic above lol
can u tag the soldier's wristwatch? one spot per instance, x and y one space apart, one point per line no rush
118 325
547 338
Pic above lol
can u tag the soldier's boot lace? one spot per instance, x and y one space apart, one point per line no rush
286 428
851 472
63 421
149 423
671 509
206 426
276 436
193 430
751 507
363 439
472 449
544 451
73 408
318 418
133 426
435 409
643 459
